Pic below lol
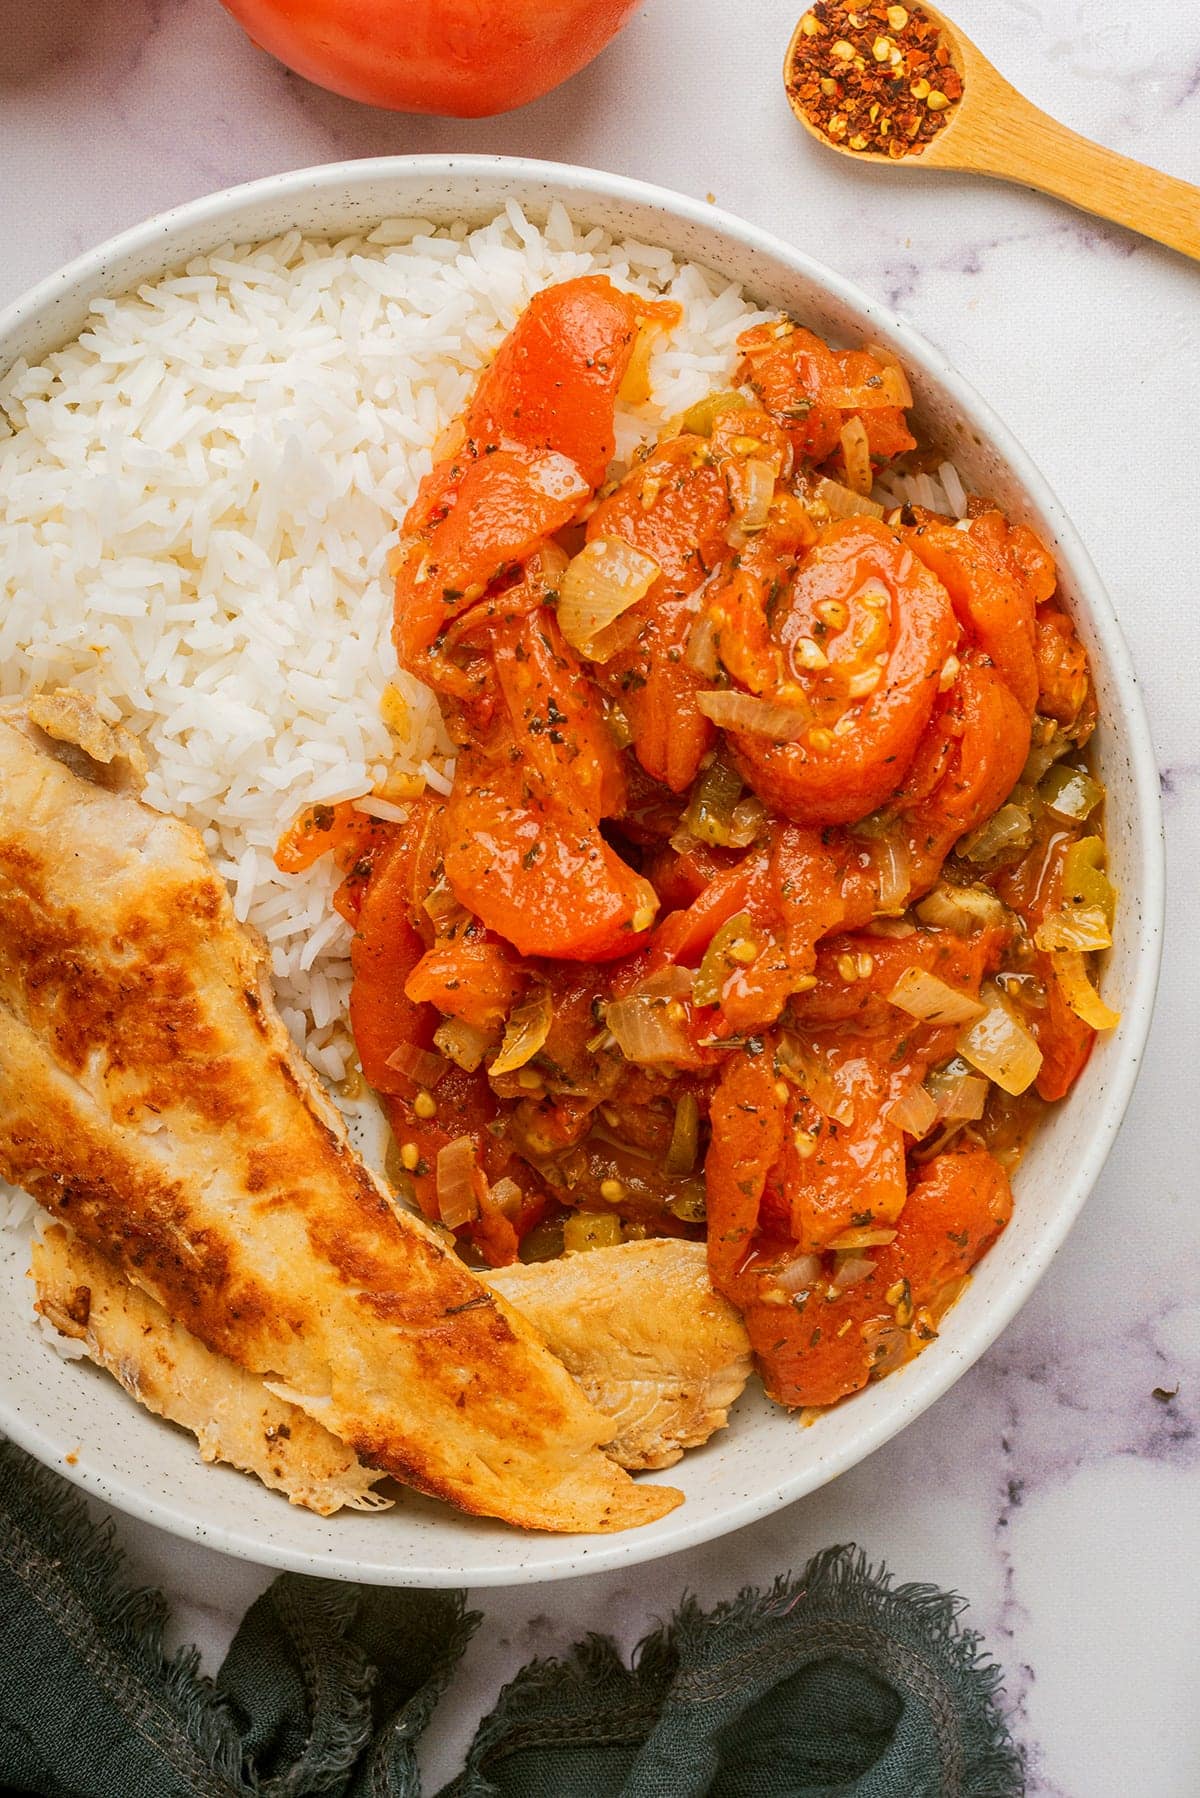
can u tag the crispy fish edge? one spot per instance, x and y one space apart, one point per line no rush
165 1368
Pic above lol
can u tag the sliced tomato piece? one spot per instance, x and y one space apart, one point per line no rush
884 628
1062 667
466 1106
822 881
470 976
994 608
537 870
383 954
791 372
846 1169
555 713
748 1121
1021 550
978 743
959 1203
675 507
886 426
742 598
685 935
1065 1041
554 381
855 990
503 506
807 1351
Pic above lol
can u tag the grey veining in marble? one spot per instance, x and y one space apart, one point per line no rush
1051 1486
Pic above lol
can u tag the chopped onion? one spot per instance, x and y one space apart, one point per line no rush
925 996
896 389
754 492
946 1295
417 1065
857 452
914 1112
1008 831
843 502
547 565
462 1043
635 387
1048 742
458 1175
999 1045
618 724
746 823
815 1078
893 390
506 1196
730 709
701 652
964 910
685 1136
669 983
795 1275
868 1236
893 870
645 1031
850 1270
444 909
1080 994
1070 793
888 1345
960 1097
449 441
598 585
1076 927
525 1033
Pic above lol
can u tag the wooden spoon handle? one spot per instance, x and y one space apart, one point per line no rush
1013 139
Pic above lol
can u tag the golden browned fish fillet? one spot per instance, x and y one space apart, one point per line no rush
650 1342
150 1097
229 1411
637 1325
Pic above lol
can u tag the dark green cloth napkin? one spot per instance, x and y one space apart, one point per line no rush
833 1685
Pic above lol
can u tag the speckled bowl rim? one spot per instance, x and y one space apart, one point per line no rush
903 1397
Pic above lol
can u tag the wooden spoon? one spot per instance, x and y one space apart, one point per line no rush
994 130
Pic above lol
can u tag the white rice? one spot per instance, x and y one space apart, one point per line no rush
198 497
941 490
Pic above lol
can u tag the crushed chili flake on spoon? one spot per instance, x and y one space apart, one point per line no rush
875 77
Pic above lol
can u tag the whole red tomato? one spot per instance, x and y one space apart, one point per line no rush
466 58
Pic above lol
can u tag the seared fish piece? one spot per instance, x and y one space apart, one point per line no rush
650 1342
229 1411
151 1098
637 1325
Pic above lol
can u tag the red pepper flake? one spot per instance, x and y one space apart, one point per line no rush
873 76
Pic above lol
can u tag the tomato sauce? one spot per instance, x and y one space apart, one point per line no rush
764 903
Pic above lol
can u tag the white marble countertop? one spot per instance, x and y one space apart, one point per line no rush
1050 1486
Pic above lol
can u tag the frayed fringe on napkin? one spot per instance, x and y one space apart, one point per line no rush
839 1684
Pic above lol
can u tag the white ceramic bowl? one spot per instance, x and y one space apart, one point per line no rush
78 1421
